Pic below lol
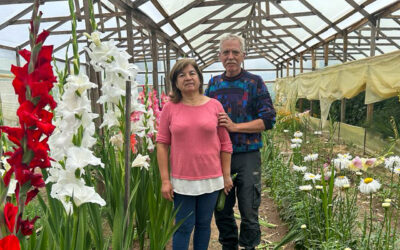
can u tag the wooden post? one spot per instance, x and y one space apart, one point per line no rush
326 54
100 9
18 57
94 94
343 100
129 34
267 11
313 60
301 71
370 107
287 68
294 67
168 69
313 67
277 72
154 55
281 70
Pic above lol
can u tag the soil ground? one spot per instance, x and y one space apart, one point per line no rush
268 212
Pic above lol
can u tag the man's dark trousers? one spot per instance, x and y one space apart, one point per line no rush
247 188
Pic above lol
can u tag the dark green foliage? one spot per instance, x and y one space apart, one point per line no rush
381 121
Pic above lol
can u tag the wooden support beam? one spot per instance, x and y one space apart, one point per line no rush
129 34
287 68
370 107
168 68
294 67
118 23
301 63
17 57
16 17
343 100
326 53
94 92
267 11
313 60
154 55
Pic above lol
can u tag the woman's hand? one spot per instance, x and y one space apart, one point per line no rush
228 184
166 190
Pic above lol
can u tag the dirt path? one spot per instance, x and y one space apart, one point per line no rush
268 213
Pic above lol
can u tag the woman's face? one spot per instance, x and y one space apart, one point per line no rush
188 80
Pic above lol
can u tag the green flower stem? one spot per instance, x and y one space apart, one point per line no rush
370 216
74 37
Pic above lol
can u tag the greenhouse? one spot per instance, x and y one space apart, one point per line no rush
199 124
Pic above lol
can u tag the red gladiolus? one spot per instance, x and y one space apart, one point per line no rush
26 226
32 83
10 242
10 213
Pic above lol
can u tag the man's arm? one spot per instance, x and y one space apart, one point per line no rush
255 126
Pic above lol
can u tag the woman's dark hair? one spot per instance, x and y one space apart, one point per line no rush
180 65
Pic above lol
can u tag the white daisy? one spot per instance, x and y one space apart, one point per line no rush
311 157
285 131
312 177
299 169
392 162
396 170
305 188
298 134
295 146
317 132
296 140
340 181
369 185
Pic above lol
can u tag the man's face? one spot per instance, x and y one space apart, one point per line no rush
231 57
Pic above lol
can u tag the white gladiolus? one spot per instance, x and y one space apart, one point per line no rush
73 116
141 161
117 141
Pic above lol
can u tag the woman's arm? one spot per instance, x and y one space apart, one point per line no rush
226 171
162 158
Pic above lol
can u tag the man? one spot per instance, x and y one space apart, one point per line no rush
249 111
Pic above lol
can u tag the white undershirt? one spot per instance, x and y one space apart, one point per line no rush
197 187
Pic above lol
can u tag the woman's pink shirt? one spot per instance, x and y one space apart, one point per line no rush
195 139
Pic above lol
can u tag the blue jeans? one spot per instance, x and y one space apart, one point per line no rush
197 212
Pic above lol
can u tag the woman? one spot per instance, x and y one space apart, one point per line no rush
200 155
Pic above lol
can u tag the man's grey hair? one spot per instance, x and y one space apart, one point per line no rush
232 37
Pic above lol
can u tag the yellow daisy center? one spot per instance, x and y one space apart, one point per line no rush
341 177
368 180
312 176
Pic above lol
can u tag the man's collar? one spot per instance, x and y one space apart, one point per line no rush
233 78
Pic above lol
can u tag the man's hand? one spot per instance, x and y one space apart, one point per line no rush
225 121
